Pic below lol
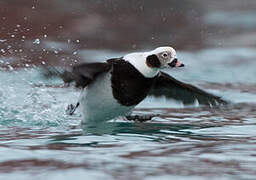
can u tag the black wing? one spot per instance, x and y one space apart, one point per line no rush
81 74
167 86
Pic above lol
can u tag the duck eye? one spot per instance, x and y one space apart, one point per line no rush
165 55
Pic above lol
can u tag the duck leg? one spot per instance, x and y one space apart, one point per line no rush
71 108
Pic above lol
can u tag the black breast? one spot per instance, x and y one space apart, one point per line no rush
129 86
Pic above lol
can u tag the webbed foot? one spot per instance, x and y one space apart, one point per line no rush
140 118
71 109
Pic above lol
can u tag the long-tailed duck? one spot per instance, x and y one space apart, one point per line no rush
113 88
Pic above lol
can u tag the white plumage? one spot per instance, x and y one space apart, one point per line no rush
97 101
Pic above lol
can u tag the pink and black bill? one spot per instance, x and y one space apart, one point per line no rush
176 63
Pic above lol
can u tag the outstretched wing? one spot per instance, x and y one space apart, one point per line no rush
171 88
81 74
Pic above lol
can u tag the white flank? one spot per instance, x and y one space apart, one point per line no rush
97 102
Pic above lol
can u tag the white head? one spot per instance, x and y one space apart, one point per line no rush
150 63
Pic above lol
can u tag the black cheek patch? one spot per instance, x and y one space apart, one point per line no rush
153 61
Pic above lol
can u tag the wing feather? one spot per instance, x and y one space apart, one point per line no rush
81 74
171 88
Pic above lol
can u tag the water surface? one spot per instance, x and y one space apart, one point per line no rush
39 141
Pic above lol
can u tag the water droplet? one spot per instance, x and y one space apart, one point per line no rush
37 41
3 40
10 67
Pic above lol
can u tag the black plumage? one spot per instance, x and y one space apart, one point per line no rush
171 88
130 87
